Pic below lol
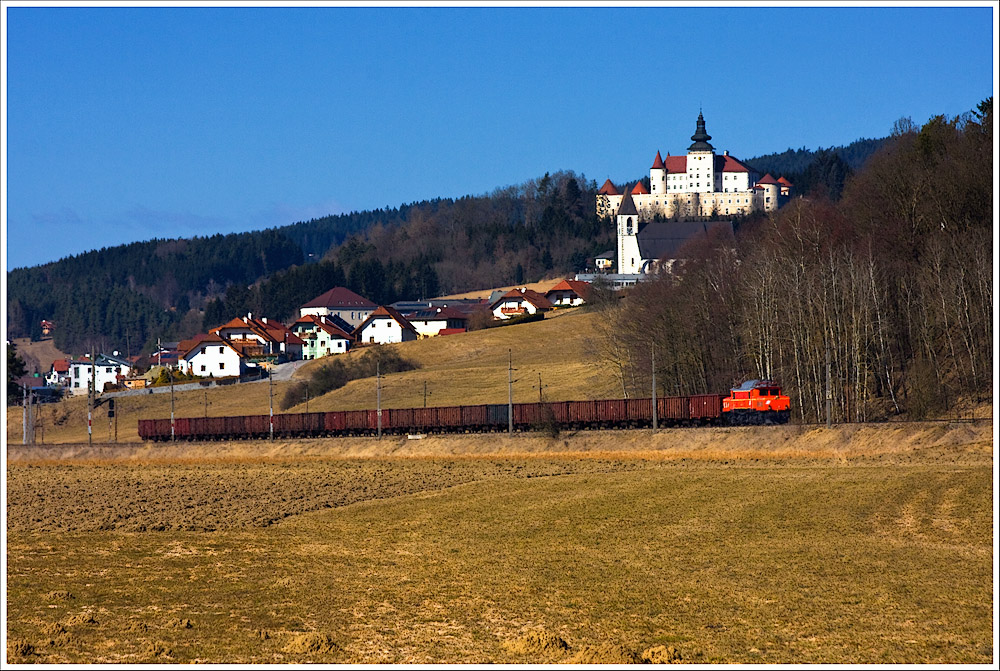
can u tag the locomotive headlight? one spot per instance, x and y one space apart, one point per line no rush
769 402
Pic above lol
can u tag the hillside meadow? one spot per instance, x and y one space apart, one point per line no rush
753 545
467 368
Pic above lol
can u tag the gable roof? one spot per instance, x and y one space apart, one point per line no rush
784 182
767 179
664 238
529 295
339 297
639 189
332 324
269 330
385 312
61 365
581 289
438 314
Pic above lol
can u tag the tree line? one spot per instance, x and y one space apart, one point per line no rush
892 283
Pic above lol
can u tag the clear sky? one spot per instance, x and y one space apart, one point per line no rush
125 124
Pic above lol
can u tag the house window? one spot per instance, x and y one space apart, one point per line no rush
222 366
76 373
222 350
202 368
204 350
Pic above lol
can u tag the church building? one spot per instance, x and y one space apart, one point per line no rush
688 195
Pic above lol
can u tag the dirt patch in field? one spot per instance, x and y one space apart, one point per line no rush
311 643
607 653
536 643
236 495
661 654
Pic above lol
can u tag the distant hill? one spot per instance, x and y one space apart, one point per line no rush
125 297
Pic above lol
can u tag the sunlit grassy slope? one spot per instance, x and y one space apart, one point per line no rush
460 369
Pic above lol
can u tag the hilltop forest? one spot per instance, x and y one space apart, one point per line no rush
890 287
125 297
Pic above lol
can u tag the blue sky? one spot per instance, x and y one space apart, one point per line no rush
125 124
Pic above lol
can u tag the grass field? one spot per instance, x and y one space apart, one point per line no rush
752 545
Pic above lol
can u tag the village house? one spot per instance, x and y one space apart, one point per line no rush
261 338
343 303
59 374
569 293
433 321
322 336
109 370
210 355
518 302
385 325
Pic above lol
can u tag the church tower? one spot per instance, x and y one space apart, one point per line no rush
629 259
701 161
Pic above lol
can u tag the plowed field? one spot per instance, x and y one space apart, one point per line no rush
734 552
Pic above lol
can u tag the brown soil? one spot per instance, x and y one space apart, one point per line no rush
536 643
311 643
607 653
17 648
216 496
661 654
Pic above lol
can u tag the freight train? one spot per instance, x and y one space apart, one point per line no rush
754 402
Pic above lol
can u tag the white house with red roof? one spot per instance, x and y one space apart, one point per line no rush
342 302
432 321
261 337
211 355
569 293
322 336
518 302
385 325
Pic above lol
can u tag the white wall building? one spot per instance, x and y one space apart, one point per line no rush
212 356
384 326
83 371
343 303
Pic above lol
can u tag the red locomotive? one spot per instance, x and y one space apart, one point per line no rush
755 402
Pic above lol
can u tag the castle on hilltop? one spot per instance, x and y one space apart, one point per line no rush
687 194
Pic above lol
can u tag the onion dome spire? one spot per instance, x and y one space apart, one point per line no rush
701 137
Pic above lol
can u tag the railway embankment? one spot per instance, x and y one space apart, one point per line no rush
840 443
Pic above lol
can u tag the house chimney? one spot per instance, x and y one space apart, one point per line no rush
264 319
725 153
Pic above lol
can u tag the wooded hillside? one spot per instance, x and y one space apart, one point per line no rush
895 280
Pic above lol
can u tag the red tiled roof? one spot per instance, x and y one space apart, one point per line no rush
187 346
339 297
729 164
639 189
330 328
675 163
384 311
767 179
61 365
581 289
658 162
533 297
784 182
608 189
450 331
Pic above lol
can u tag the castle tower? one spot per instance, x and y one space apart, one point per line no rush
629 259
658 176
701 160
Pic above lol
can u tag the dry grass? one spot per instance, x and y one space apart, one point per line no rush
739 553
541 287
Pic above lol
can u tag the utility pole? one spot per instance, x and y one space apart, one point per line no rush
91 393
270 402
539 386
307 398
425 393
24 415
378 397
510 392
829 397
170 372
652 357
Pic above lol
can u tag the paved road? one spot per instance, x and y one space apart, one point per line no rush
282 373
